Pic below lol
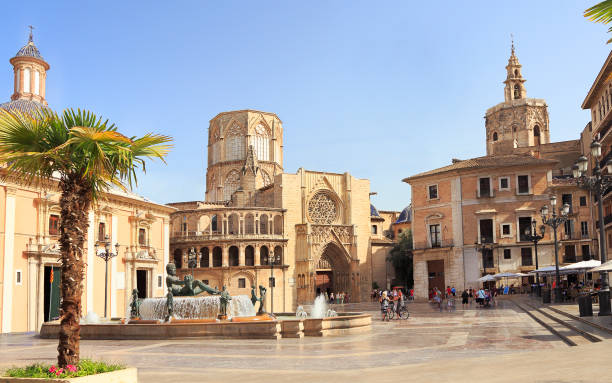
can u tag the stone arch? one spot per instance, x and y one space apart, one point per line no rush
233 224
278 224
263 224
214 223
231 184
204 223
249 256
278 255
204 257
249 277
494 136
217 257
249 224
233 256
536 135
333 270
178 258
264 253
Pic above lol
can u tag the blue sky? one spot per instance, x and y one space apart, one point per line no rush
383 90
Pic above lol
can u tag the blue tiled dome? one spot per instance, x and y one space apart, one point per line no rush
29 50
405 215
373 211
24 106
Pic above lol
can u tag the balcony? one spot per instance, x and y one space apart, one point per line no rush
485 193
422 245
198 236
607 220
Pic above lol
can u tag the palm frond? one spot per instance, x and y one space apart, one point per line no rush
600 13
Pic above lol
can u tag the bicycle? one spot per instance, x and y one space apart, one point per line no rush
403 313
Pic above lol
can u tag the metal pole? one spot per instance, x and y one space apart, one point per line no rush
272 282
535 244
105 281
558 278
604 292
50 295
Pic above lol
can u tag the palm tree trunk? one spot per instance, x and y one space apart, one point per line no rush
74 203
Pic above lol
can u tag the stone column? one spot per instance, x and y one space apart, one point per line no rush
241 255
225 257
257 258
9 256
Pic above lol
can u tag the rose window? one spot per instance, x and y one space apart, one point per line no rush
322 209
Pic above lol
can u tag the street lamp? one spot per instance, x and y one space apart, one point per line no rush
555 221
192 257
272 259
597 183
106 255
531 234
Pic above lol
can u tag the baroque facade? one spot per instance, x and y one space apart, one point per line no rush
469 218
29 227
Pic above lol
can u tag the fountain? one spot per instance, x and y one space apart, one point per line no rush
203 307
320 309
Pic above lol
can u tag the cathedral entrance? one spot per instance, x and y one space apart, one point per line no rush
332 272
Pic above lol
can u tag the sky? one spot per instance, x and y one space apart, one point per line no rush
383 90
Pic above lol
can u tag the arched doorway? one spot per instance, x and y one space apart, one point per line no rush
332 271
178 258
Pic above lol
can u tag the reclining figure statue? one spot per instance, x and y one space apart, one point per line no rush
186 287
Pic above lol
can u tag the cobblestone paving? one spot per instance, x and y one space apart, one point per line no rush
428 336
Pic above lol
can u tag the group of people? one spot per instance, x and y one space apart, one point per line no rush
483 297
391 300
338 298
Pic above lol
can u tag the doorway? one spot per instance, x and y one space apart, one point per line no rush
141 283
52 292
323 281
435 274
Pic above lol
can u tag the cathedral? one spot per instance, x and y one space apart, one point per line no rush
297 234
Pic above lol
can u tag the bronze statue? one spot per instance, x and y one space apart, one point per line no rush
224 301
188 286
135 305
262 300
169 305
254 298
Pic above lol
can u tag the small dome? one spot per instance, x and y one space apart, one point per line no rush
29 50
405 215
373 211
24 106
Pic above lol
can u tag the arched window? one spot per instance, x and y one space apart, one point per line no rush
278 225
263 224
263 255
261 143
536 135
234 144
205 259
516 73
232 182
216 152
494 136
233 224
36 82
213 223
517 92
217 257
26 80
178 258
233 256
278 255
249 224
249 256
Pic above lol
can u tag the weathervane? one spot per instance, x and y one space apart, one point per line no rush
31 39
512 40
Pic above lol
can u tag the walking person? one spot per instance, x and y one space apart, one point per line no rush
384 306
464 298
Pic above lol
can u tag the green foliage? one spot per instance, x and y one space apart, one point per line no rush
601 13
84 368
43 144
401 259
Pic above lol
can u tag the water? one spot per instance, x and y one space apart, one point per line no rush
319 308
206 307
90 318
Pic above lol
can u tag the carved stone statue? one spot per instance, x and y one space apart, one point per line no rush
224 301
188 286
135 305
262 300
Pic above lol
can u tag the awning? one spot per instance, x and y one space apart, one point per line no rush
582 266
604 267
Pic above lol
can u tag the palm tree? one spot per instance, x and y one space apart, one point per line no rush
601 13
85 156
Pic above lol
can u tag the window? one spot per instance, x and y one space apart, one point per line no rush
234 147
18 277
486 230
36 82
517 92
261 143
434 235
569 228
506 232
433 191
523 184
570 254
487 258
567 199
504 183
374 229
142 237
241 283
184 227
586 252
159 282
526 258
101 231
524 224
26 80
54 224
484 187
494 136
583 200
232 182
507 253
213 223
536 135
584 229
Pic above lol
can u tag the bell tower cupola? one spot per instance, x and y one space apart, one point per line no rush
515 83
30 73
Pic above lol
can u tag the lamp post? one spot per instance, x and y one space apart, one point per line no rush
532 235
485 248
597 183
192 257
106 255
555 221
272 259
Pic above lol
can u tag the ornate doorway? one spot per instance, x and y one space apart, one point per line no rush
332 272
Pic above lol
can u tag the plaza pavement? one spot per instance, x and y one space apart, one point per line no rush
501 344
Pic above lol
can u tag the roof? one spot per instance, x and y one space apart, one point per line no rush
29 50
405 215
495 161
24 106
599 81
373 211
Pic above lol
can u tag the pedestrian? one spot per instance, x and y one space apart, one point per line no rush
384 305
453 291
331 297
471 294
464 298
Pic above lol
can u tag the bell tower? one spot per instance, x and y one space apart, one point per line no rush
30 72
518 122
